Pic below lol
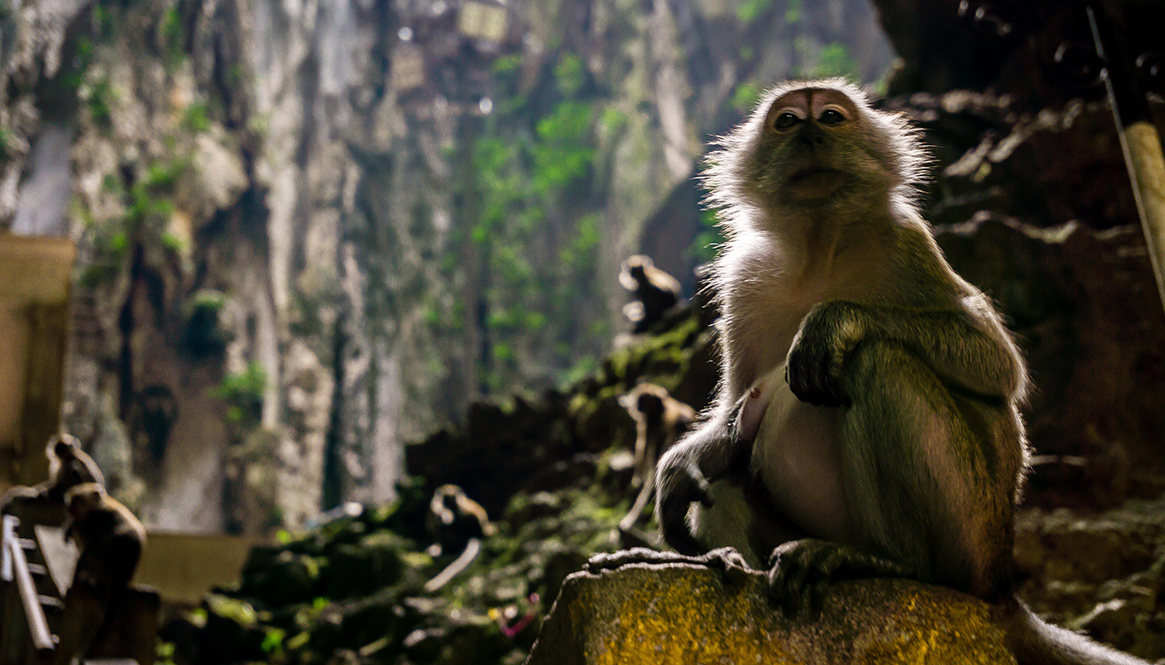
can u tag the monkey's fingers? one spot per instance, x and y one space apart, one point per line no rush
814 374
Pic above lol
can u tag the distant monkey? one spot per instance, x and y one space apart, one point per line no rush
459 523
868 417
110 539
109 536
69 466
655 292
660 420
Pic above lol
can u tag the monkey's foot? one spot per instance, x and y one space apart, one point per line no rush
802 570
725 559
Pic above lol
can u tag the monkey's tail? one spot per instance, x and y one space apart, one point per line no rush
1035 642
472 548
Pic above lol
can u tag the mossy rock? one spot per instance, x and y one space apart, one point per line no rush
679 613
360 568
232 633
279 577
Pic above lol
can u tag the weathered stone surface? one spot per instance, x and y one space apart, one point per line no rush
1011 47
1102 574
1085 311
675 613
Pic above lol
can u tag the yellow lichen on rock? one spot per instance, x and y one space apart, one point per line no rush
649 614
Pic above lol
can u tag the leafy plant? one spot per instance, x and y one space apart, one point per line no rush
196 118
834 60
745 96
749 10
243 394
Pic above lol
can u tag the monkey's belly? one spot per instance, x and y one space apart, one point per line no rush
797 453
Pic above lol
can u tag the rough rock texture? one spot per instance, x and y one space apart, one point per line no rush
1102 573
675 613
1041 54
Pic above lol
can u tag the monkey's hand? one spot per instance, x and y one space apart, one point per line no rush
814 367
801 570
680 483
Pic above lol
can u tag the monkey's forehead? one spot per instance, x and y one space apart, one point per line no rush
814 100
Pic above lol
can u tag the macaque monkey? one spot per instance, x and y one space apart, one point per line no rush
110 539
868 417
660 420
69 466
460 523
655 292
109 536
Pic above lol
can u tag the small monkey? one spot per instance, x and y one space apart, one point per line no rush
655 292
109 536
69 466
460 523
660 420
110 539
868 419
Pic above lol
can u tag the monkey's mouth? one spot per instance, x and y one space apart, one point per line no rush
813 172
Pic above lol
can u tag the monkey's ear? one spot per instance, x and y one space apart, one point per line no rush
625 279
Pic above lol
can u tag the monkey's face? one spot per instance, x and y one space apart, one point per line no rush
818 144
650 405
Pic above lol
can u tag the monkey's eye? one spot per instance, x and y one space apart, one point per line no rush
786 120
832 116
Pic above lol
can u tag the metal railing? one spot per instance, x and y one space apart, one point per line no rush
14 564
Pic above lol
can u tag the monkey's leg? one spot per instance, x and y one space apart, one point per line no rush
927 480
641 500
641 475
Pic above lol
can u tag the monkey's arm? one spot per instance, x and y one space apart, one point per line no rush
710 452
967 347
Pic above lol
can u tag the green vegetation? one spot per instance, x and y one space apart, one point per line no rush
835 60
101 100
171 36
243 394
148 208
745 97
196 118
749 10
793 12
526 184
203 334
703 248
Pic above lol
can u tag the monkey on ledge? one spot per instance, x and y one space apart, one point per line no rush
868 420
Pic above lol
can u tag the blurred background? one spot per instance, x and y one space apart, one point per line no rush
268 257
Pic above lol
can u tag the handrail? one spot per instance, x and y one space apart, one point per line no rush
16 562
